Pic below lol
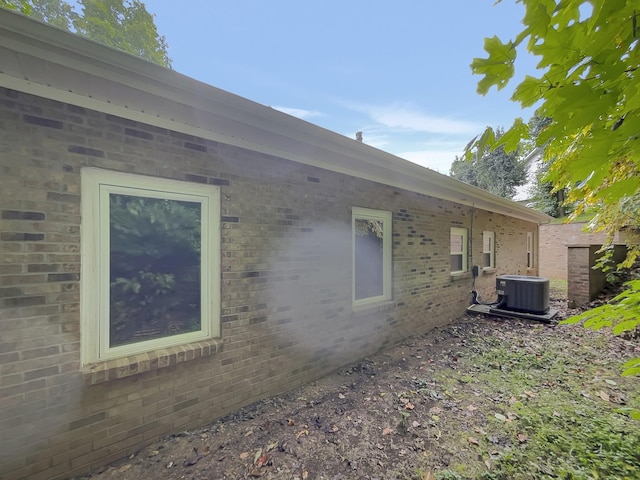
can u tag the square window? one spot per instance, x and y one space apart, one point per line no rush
458 249
488 249
371 230
150 265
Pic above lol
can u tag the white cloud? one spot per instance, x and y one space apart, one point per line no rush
299 112
438 160
405 118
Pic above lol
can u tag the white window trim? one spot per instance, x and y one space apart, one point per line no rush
465 246
531 260
492 249
386 218
96 184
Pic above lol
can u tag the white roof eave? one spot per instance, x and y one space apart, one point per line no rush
45 61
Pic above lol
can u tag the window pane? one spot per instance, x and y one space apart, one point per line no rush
368 258
487 259
154 268
456 263
456 243
486 243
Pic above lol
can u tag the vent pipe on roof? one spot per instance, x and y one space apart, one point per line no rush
359 136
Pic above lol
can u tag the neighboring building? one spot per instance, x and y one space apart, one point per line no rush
170 252
555 238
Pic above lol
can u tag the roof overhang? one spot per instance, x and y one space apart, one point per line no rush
42 60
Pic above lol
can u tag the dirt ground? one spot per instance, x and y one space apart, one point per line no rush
423 410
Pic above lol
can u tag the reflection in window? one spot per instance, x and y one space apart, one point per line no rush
371 256
151 264
155 268
530 263
458 249
488 249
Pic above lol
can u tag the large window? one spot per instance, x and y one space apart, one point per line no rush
150 264
458 250
371 256
488 249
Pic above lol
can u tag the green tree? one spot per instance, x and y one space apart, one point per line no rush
589 85
54 12
495 171
122 24
544 196
20 5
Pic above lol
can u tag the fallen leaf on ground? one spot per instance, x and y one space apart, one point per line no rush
500 417
473 440
387 431
244 455
301 433
472 408
272 445
522 438
409 406
604 396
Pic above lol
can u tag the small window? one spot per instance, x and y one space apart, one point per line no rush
371 256
488 249
530 250
150 264
458 250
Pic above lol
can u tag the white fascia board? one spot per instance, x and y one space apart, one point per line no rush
42 60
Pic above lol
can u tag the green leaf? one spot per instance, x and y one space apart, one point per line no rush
625 326
498 67
512 138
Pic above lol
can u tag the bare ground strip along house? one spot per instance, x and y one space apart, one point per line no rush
170 252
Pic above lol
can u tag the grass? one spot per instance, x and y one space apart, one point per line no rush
553 414
557 288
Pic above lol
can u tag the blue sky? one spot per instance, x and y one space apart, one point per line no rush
396 70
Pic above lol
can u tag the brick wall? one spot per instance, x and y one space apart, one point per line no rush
285 296
584 283
554 239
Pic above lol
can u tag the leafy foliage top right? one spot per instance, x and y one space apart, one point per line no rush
589 86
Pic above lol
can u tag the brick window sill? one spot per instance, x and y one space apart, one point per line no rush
108 370
381 306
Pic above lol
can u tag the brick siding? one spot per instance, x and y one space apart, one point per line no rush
554 239
286 310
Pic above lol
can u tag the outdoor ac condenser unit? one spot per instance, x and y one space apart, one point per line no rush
523 294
